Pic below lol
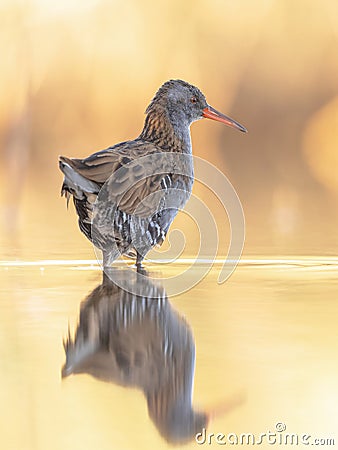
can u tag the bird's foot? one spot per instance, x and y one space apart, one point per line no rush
139 266
141 269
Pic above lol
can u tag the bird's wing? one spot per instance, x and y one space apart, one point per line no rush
99 166
127 182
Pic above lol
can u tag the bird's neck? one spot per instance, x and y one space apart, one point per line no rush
168 134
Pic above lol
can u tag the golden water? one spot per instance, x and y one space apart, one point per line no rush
266 346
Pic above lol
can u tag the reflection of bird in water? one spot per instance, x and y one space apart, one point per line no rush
166 130
139 341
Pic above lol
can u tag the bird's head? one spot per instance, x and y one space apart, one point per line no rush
185 103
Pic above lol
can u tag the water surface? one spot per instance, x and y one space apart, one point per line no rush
266 345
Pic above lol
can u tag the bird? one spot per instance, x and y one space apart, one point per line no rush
126 196
129 334
139 341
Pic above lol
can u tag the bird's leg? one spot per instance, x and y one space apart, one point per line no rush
139 259
139 266
106 259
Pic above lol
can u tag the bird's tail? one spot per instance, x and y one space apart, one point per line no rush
74 183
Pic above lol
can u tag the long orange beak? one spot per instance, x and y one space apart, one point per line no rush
211 113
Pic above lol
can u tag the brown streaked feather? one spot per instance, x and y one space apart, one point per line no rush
129 188
100 166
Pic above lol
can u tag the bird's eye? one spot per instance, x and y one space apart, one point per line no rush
193 100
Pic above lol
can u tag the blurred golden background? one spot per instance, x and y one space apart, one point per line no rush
76 77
